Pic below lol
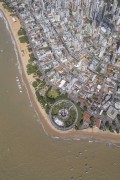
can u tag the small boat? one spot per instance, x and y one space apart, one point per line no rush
90 141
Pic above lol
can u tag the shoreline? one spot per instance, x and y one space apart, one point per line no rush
50 130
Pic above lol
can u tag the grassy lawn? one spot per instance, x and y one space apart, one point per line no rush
55 111
68 122
80 115
63 96
52 93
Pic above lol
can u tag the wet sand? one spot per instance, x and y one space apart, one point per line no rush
89 134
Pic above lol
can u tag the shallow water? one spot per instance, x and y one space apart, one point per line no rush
26 152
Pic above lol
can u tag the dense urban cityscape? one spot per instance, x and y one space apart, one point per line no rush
77 47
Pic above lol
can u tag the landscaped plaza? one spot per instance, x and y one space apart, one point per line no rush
64 114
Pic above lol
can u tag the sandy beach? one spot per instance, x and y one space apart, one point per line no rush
89 134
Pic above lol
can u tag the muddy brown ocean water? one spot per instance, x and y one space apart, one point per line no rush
26 152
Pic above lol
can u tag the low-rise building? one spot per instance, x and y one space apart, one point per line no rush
98 123
112 112
86 119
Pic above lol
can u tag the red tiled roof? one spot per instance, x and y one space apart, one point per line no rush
86 117
98 122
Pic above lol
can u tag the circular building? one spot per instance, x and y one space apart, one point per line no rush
117 105
63 115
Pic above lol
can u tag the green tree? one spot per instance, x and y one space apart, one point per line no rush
31 69
117 130
76 127
118 117
92 121
21 32
85 108
110 129
107 125
104 113
113 123
24 39
32 58
7 6
68 122
54 111
35 84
